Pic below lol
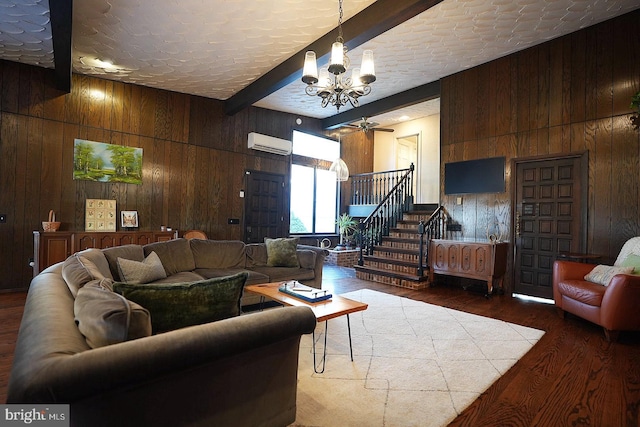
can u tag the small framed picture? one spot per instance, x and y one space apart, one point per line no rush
129 219
100 215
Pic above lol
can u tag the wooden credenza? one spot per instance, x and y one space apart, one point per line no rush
484 261
51 248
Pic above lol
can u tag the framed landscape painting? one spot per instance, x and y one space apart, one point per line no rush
99 161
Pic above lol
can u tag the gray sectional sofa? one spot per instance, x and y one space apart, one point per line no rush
195 259
238 371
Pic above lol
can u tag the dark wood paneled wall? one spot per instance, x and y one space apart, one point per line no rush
571 94
357 152
194 157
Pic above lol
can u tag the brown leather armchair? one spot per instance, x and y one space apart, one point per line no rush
615 307
195 234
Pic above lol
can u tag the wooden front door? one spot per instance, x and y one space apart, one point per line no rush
264 206
550 217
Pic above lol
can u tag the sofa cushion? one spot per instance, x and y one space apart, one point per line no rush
256 254
105 317
218 253
602 274
306 258
183 276
132 252
277 274
84 266
281 252
253 276
581 290
175 255
177 305
144 271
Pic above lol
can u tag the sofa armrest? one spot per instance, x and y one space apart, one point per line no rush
321 254
620 302
306 258
567 270
66 378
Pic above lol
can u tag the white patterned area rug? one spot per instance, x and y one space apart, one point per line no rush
415 364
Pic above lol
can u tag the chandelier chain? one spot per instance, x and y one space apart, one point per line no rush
341 39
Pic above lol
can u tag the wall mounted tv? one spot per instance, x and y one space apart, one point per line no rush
475 176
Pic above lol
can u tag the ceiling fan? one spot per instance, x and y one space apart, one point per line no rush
366 126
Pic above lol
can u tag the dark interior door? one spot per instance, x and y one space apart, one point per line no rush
264 206
550 217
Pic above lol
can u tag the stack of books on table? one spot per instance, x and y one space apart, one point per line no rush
304 292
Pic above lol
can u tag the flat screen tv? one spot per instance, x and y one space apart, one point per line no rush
475 176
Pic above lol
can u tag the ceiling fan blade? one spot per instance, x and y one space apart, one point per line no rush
383 129
372 124
350 126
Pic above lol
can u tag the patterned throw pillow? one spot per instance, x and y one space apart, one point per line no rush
177 305
281 252
148 270
602 274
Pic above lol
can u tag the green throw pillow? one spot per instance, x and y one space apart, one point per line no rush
177 305
281 252
632 260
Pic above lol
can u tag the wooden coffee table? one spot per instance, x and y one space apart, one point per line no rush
324 310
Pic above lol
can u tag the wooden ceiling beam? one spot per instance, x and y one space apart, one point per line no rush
381 16
61 13
409 97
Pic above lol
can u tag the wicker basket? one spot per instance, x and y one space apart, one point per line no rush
51 225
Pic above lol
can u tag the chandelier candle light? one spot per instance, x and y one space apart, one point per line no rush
340 167
338 89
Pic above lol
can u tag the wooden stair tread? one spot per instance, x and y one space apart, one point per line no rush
400 239
403 230
394 261
381 272
395 250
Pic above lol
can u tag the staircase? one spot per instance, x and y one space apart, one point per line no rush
397 259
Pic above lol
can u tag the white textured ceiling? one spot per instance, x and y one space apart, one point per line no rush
25 32
215 48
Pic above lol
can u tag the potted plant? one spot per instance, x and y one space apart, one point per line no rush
346 226
635 106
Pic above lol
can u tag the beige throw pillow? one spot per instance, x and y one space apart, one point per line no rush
147 271
602 274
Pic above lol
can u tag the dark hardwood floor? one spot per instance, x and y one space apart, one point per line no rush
11 306
572 377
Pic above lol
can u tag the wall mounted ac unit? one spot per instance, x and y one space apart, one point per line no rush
269 144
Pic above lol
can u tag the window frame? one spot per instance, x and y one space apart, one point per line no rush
315 163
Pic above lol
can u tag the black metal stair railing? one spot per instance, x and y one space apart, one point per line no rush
374 228
371 188
389 210
433 228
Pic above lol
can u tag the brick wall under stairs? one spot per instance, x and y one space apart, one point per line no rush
395 261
